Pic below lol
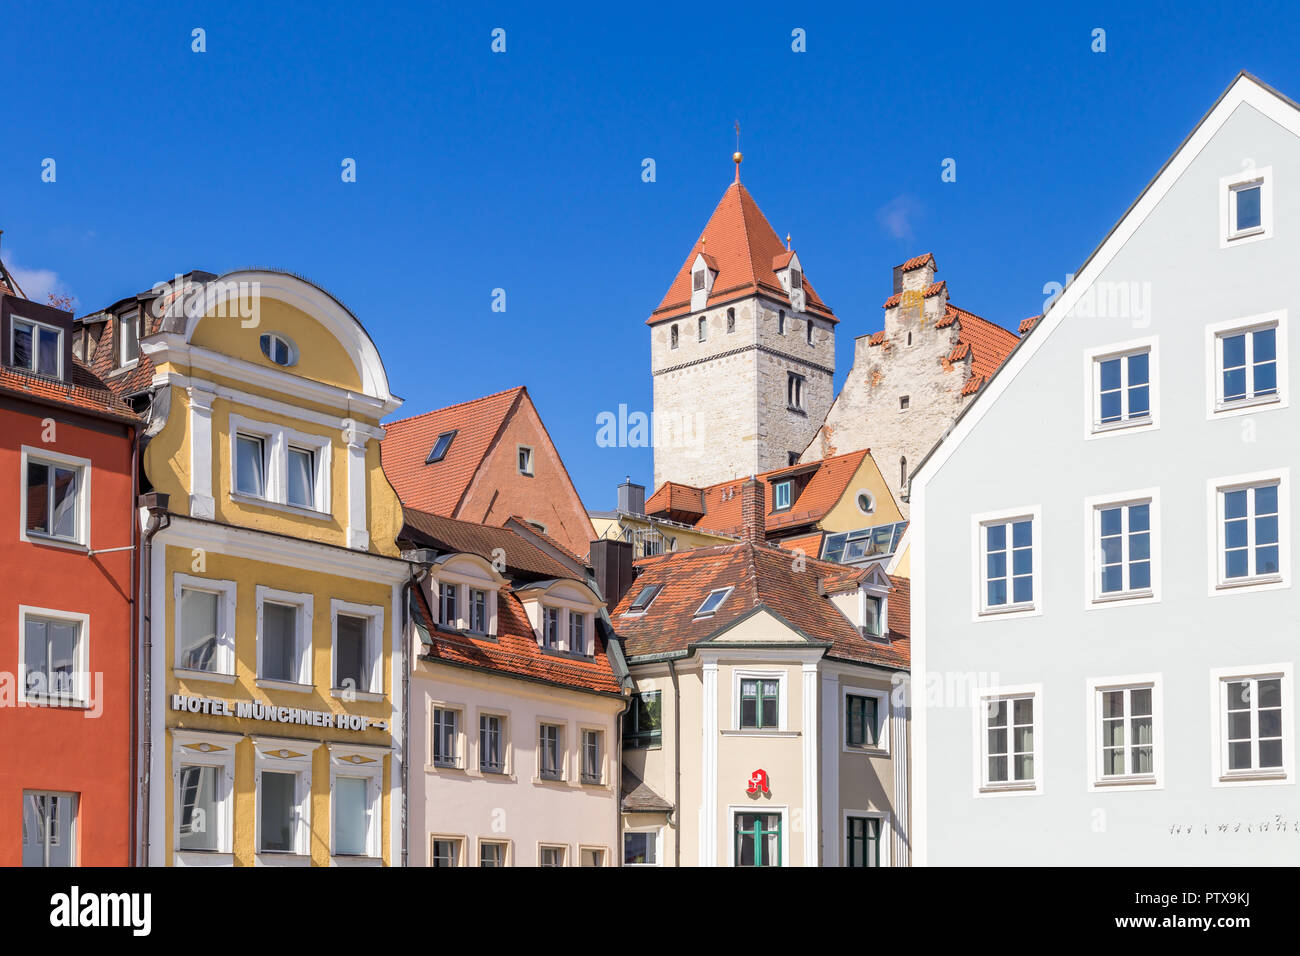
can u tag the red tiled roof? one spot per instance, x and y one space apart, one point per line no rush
990 344
515 652
916 262
761 577
1027 324
673 496
103 359
531 529
744 245
809 544
438 488
823 491
8 283
932 289
84 391
488 542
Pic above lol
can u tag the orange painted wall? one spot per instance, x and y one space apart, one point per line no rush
65 749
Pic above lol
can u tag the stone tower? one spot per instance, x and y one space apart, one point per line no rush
742 351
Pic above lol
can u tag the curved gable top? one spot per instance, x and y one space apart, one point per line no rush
224 292
471 565
564 589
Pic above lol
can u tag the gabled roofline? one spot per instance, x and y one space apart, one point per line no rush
1244 89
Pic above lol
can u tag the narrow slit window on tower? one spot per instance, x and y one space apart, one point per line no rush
780 322
909 338
794 391
904 401
731 320
673 337
704 329
902 471
809 331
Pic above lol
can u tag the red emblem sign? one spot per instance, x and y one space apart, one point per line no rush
758 782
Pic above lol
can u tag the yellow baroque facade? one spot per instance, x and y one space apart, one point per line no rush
271 731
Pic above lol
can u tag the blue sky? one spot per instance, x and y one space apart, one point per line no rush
522 170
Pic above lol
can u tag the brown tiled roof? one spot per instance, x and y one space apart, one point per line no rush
83 391
987 343
135 378
745 247
514 651
809 544
932 289
900 606
1027 324
761 577
530 529
450 535
916 262
721 502
438 488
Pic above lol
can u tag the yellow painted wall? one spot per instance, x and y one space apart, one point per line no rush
686 538
845 515
247 575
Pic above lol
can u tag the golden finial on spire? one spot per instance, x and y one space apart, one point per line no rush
787 242
737 156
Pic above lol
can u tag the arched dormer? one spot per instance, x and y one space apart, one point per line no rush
563 615
463 591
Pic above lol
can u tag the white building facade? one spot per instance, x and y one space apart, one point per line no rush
1114 682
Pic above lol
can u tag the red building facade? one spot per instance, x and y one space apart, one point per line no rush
66 605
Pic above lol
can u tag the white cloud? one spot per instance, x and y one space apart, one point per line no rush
895 217
37 284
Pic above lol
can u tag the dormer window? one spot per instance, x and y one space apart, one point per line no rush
577 633
551 628
703 272
440 448
713 602
781 496
698 280
36 348
644 598
872 612
278 349
128 339
796 279
447 606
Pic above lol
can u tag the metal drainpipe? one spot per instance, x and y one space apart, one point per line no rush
418 574
159 520
677 765
133 734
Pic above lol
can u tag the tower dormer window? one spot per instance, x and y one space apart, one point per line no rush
796 279
703 329
698 280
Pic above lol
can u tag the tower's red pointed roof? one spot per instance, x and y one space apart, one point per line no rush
745 248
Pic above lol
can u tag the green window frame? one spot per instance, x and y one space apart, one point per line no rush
760 703
753 833
643 726
864 841
862 720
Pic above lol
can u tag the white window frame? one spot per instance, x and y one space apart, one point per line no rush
458 712
1214 515
374 616
290 348
884 715
782 700
561 749
563 639
603 755
46 457
1228 186
302 641
1220 776
979 716
531 470
367 763
194 748
1093 598
1215 407
507 751
74 824
224 659
284 755
979 565
1094 687
133 318
277 440
80 698
886 833
14 319
776 495
725 592
657 832
1092 360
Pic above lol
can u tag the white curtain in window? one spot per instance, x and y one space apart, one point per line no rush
351 816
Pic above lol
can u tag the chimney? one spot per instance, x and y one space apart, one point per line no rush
753 511
631 497
611 563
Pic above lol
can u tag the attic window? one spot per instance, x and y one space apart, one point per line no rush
713 602
796 279
697 280
278 349
128 339
36 348
781 496
643 600
439 450
525 461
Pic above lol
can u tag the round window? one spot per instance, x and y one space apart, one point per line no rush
278 349
866 504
